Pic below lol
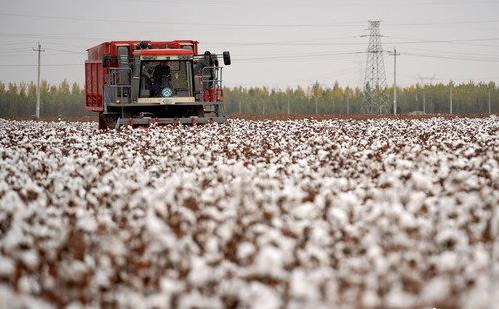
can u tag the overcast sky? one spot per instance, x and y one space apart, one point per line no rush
277 43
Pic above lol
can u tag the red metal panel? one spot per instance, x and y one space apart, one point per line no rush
162 52
97 52
95 73
94 81
109 48
189 42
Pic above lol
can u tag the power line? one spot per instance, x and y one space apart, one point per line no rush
469 22
278 43
16 43
325 43
302 55
451 58
67 51
453 52
131 21
298 61
346 24
220 3
45 65
451 41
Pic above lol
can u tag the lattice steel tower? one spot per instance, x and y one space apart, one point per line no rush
375 88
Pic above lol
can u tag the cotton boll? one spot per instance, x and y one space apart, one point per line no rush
28 284
339 216
480 296
305 211
319 236
407 220
421 181
257 295
75 305
101 279
302 287
194 299
170 286
448 261
30 258
450 237
87 223
397 298
7 266
371 299
200 272
244 250
157 227
12 299
269 261
10 201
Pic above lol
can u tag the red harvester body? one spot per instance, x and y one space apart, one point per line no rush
142 82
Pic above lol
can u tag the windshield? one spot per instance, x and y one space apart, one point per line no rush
166 78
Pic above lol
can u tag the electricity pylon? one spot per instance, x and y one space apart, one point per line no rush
375 87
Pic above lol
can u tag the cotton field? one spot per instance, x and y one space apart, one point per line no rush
251 214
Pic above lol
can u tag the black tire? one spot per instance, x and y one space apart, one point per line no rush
107 121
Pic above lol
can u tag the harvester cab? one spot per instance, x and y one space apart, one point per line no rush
141 83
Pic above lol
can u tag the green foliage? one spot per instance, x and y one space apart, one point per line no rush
19 99
56 100
467 98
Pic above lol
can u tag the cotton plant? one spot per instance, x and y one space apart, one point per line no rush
253 214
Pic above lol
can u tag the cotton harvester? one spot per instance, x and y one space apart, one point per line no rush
139 83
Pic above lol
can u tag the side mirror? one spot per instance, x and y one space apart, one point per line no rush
226 55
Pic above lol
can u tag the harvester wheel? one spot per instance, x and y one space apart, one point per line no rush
107 121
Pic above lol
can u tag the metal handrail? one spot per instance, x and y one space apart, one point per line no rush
114 74
216 82
122 91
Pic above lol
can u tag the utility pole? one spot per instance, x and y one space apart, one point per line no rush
394 54
450 99
39 50
316 107
423 81
424 102
489 105
288 102
277 107
348 105
417 98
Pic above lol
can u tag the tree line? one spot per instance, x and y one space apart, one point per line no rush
433 99
63 99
